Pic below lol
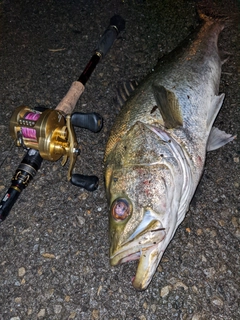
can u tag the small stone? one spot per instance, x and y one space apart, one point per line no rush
237 233
72 315
188 230
80 220
180 284
142 317
217 301
26 231
223 268
99 290
40 204
159 269
95 314
235 222
236 159
40 271
199 232
196 316
48 255
41 313
209 272
83 196
67 298
194 289
55 167
63 189
165 291
213 233
36 247
145 305
57 308
49 293
74 279
153 308
222 223
15 318
21 272
29 312
18 299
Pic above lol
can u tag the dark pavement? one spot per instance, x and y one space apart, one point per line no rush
54 244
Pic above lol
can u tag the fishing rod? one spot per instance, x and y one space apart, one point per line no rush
49 134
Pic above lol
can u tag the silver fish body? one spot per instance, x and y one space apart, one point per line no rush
157 147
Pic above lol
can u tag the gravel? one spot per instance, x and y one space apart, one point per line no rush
54 244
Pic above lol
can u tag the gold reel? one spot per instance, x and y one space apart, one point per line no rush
49 132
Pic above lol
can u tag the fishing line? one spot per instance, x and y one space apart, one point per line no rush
30 133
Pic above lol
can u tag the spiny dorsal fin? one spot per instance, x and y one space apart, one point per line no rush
124 91
168 106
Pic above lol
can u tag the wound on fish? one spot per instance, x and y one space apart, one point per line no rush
154 109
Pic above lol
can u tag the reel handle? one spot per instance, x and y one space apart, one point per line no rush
91 121
90 183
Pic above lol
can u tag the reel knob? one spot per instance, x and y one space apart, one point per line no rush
90 183
91 121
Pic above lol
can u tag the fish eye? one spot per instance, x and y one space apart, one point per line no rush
120 209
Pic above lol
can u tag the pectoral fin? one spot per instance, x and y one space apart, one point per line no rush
168 106
216 104
218 138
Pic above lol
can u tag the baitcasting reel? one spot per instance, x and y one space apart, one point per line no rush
51 132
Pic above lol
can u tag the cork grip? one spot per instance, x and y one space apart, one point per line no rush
68 103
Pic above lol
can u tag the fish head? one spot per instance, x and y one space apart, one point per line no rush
144 184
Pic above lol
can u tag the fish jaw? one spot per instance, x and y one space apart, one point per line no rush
147 266
142 245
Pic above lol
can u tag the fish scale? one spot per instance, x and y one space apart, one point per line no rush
156 151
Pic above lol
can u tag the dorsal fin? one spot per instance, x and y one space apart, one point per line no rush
168 106
124 91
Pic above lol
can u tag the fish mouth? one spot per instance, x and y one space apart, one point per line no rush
143 245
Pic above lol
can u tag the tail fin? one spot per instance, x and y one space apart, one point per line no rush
227 12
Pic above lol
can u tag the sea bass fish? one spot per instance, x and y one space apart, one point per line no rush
156 151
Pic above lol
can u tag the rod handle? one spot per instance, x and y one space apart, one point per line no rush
117 24
7 202
25 172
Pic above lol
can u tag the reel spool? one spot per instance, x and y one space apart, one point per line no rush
48 131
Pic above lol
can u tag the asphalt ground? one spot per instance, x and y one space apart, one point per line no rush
54 244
